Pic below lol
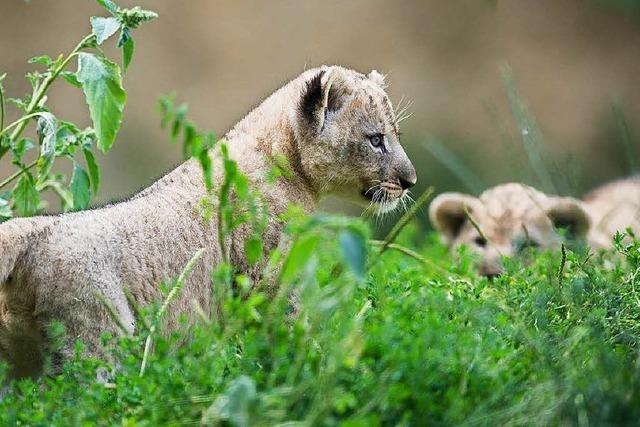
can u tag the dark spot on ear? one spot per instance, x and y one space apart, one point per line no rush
455 224
311 100
567 223
335 100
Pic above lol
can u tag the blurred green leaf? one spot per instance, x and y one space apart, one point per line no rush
235 405
354 251
298 256
253 249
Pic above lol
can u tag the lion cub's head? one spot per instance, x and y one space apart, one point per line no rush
509 220
349 137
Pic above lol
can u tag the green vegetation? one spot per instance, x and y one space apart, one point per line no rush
405 343
379 333
101 81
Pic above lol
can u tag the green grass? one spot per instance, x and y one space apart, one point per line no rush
407 344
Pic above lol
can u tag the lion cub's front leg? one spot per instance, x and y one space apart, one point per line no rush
80 305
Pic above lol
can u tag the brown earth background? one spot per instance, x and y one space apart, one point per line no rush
572 61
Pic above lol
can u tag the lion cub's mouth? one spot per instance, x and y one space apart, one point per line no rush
385 196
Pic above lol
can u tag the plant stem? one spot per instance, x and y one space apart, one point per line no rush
409 252
40 91
18 122
408 216
184 275
1 108
17 174
475 225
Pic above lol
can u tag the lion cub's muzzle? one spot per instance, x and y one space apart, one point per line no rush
385 192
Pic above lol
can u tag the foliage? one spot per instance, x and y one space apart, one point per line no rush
409 344
402 336
101 81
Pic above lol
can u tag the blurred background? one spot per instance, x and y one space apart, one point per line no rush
574 63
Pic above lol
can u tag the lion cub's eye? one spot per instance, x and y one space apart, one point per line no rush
480 241
376 140
524 244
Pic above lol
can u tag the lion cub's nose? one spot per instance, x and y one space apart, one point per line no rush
409 179
404 183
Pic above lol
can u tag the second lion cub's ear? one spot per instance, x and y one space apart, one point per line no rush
324 94
570 214
448 214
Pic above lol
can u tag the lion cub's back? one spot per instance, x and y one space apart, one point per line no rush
614 207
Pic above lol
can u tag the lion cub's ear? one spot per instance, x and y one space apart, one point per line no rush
570 214
324 94
448 214
377 78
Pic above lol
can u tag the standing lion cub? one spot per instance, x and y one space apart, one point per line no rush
338 131
511 218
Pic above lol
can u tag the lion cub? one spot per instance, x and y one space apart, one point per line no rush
512 218
339 133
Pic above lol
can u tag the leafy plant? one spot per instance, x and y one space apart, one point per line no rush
101 81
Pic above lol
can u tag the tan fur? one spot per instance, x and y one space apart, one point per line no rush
613 207
512 217
509 214
58 267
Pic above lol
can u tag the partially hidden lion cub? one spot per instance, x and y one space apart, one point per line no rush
511 218
339 133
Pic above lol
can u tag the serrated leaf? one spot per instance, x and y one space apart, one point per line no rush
207 170
94 169
354 252
26 198
80 188
253 249
103 28
47 131
108 5
242 186
102 85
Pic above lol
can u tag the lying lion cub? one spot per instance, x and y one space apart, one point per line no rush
338 131
511 218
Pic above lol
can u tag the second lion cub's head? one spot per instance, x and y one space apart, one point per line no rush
351 137
507 220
